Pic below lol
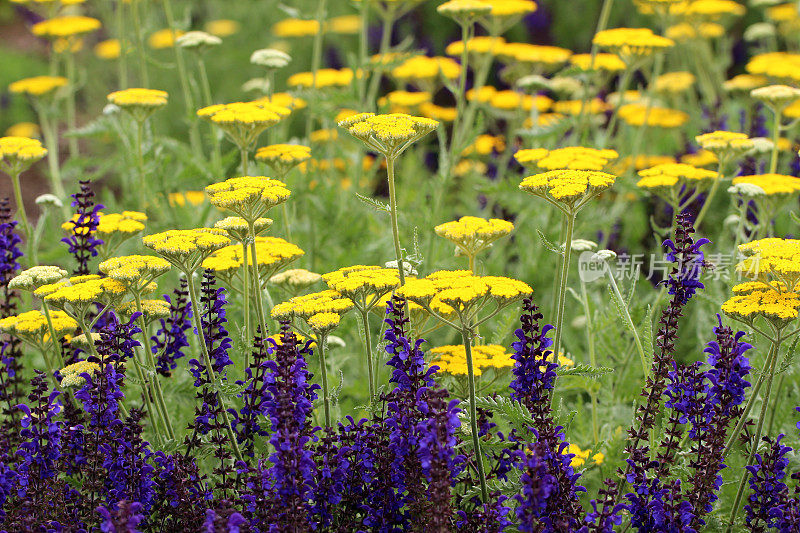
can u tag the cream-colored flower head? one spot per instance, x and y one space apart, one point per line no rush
270 58
776 96
34 277
198 40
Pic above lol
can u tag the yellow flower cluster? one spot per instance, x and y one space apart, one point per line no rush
239 229
273 253
581 456
772 184
448 291
138 98
295 28
34 277
670 174
452 359
595 106
326 77
308 305
108 49
248 196
359 281
571 157
32 326
510 8
687 31
508 100
18 153
771 304
180 199
477 45
163 38
631 43
777 65
38 85
485 144
567 186
419 68
772 259
258 115
66 26
323 322
660 117
151 309
389 134
71 374
474 234
401 101
82 291
126 223
134 269
744 83
282 157
674 82
179 245
296 279
602 61
533 54
776 96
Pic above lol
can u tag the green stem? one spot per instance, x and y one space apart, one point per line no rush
592 358
262 322
316 58
363 51
140 164
562 288
122 62
386 39
71 114
368 346
323 371
756 437
51 143
473 413
246 304
216 154
140 53
287 222
23 217
244 157
624 308
710 198
622 87
54 340
776 132
775 404
155 384
602 24
209 368
393 210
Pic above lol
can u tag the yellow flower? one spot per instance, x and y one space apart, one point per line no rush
163 38
273 254
308 305
424 68
567 186
359 282
435 112
510 8
180 199
473 234
19 153
38 85
452 359
71 374
685 32
243 122
674 82
777 65
127 223
602 61
631 43
136 271
326 77
571 157
296 279
575 107
403 101
108 49
670 174
661 117
464 10
780 306
222 27
485 145
239 229
481 45
24 129
151 309
389 134
533 54
514 101
776 96
295 28
250 197
324 322
744 83
81 293
581 456
724 143
138 98
344 24
187 248
283 157
67 26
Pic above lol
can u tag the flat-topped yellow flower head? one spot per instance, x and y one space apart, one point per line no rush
136 271
674 82
533 54
322 323
32 326
774 262
325 78
571 157
126 223
782 66
296 279
452 359
364 285
273 254
464 11
571 187
388 134
426 70
38 85
80 292
635 114
631 44
239 229
187 248
471 235
151 309
283 157
668 175
308 305
725 144
243 122
66 26
72 375
19 153
602 61
250 197
140 103
35 277
777 307
772 184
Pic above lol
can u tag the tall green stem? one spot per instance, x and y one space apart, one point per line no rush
209 368
592 358
621 89
368 346
756 437
246 304
393 211
602 24
710 198
53 339
776 134
323 371
144 79
363 52
244 157
562 288
23 217
473 414
631 326
71 115
386 40
316 57
155 384
122 62
262 321
140 164
51 143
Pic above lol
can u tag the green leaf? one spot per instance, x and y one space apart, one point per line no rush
517 414
547 244
584 371
795 217
788 359
647 333
373 203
